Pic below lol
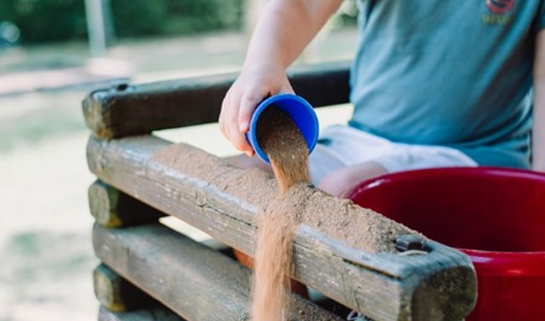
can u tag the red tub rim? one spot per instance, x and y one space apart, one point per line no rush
523 263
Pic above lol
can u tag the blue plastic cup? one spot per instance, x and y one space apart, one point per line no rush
300 111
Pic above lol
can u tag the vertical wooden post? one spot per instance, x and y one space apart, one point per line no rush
97 26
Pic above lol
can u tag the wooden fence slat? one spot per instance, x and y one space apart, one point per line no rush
193 280
116 293
113 208
155 313
385 286
125 110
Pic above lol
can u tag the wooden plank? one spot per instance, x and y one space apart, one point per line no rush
116 293
374 280
125 110
113 208
154 313
191 279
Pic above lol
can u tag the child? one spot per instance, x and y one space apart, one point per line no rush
434 84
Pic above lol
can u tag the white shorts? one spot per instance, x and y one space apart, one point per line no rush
340 146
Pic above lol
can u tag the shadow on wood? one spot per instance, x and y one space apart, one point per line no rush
372 277
195 281
375 280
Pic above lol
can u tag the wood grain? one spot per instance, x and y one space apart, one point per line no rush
383 285
113 208
125 110
116 293
191 279
154 313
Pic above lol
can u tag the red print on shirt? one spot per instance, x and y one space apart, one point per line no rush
500 6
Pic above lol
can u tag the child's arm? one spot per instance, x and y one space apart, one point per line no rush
538 130
283 31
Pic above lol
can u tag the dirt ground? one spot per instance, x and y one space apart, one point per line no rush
45 224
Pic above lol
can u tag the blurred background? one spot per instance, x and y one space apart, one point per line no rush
52 54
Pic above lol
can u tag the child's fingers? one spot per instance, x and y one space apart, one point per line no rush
228 116
286 88
239 141
248 103
222 117
229 122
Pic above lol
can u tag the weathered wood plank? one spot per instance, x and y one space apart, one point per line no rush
116 293
374 280
125 110
113 208
154 313
191 279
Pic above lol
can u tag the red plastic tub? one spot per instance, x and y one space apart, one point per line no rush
494 215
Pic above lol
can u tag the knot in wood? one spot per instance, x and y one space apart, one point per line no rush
409 242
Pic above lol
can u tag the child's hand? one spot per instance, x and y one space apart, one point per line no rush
284 29
252 86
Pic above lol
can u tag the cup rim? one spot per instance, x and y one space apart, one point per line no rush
252 137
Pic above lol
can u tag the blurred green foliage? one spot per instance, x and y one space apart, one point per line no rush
64 20
133 18
45 20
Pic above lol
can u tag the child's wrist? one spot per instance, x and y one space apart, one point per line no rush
262 65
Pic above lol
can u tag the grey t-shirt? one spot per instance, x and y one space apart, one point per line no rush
455 73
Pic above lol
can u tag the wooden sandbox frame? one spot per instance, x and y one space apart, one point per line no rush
150 272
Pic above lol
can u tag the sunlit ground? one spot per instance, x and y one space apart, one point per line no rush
45 245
